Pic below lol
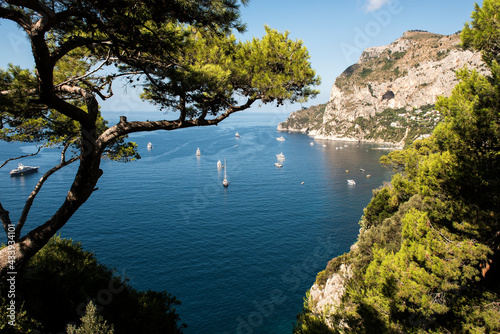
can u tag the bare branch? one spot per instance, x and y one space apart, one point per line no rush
28 92
36 190
22 156
86 74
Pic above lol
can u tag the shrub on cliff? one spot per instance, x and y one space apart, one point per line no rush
427 258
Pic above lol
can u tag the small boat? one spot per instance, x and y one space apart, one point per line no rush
361 169
22 169
150 146
219 165
351 182
277 164
311 143
280 156
198 152
225 182
280 138
237 135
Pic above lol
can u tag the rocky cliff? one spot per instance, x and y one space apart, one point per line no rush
389 94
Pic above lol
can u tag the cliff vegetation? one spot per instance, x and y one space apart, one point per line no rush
428 252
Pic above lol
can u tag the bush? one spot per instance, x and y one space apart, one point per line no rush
60 280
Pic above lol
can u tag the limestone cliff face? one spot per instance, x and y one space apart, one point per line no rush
404 76
328 296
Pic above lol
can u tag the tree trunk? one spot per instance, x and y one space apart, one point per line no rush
14 256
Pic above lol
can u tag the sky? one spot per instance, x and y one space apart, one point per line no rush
334 31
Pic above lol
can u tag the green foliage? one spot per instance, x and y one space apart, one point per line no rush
23 323
92 323
426 259
332 266
398 55
366 72
311 117
482 33
278 68
62 278
213 69
309 323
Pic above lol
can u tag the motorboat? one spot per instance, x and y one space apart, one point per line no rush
150 146
277 164
280 156
280 138
22 169
198 152
219 165
351 182
237 134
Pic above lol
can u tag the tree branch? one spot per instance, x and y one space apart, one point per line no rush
86 74
22 156
15 16
36 190
124 127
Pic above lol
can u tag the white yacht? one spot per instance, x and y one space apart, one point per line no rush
351 182
280 138
219 165
150 146
280 156
277 164
22 169
198 152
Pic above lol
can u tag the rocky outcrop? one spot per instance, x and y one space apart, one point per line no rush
328 296
404 76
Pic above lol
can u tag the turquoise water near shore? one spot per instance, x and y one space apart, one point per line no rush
240 259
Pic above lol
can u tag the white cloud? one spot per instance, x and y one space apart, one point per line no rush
372 5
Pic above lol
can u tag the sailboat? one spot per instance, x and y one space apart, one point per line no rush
225 182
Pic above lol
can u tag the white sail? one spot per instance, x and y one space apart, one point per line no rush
225 182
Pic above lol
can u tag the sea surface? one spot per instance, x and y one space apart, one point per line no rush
239 259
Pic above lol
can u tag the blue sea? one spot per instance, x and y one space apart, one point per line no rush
240 259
